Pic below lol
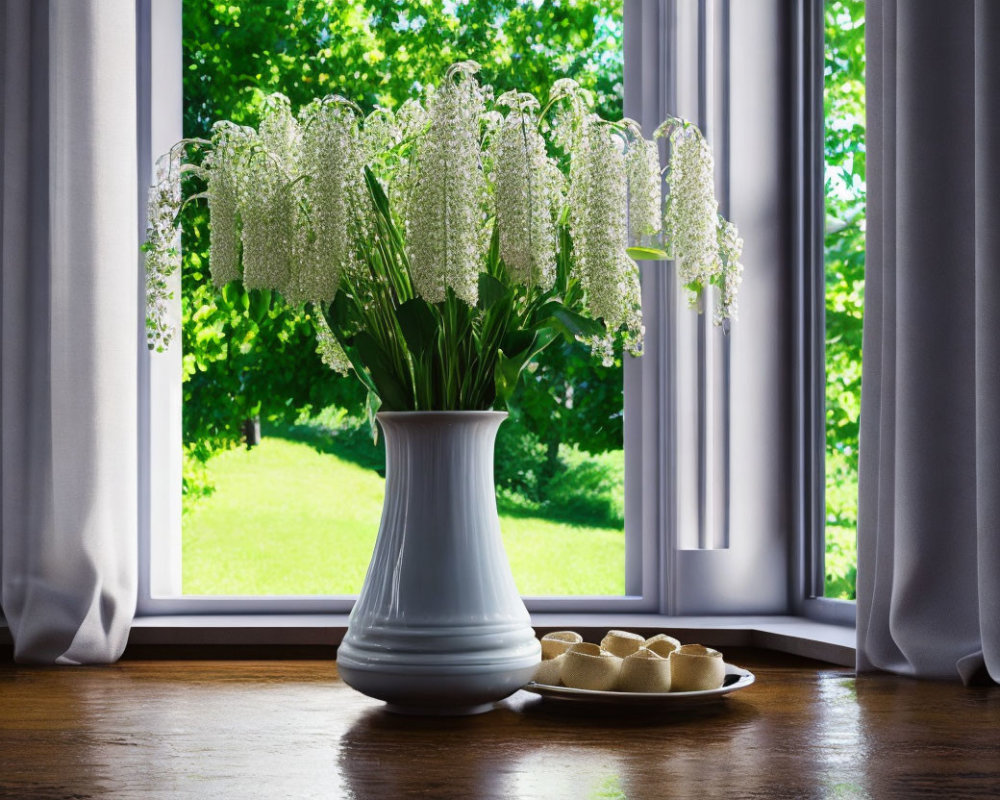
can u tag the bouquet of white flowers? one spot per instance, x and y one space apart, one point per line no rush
445 245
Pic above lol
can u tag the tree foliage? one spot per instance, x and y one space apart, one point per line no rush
376 52
844 145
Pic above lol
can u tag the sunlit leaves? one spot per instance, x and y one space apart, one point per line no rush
844 146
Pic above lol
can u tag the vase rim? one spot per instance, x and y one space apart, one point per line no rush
466 413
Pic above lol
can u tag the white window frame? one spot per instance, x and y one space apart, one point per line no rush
695 543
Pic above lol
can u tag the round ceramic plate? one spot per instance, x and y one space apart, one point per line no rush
736 678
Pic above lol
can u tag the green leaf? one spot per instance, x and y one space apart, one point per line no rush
359 369
391 389
647 254
491 291
564 262
493 254
381 203
372 404
572 325
508 370
509 367
377 193
260 304
419 325
338 313
231 293
516 342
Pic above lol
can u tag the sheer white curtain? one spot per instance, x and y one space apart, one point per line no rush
68 356
929 513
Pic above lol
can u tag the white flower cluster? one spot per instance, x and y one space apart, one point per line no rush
332 161
327 346
731 253
291 195
692 210
527 183
268 207
380 132
267 210
444 213
226 163
645 194
706 247
163 256
280 133
598 224
412 123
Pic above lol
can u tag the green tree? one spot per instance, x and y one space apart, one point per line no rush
239 364
844 145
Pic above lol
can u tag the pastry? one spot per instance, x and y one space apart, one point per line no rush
554 644
662 645
644 671
587 666
622 643
549 671
694 668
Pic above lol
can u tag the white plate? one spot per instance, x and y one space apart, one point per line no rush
736 678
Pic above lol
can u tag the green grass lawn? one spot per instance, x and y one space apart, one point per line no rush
285 519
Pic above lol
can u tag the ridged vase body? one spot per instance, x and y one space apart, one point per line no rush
439 626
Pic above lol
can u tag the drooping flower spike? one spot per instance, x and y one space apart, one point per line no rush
163 255
527 193
704 245
444 212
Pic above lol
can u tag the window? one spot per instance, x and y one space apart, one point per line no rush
297 514
714 499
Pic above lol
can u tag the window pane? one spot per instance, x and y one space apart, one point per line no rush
844 145
298 512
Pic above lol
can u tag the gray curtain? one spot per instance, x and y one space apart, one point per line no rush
929 516
68 314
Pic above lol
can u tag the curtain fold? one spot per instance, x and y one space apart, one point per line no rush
929 505
68 313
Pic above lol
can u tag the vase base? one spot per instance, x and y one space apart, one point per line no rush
438 711
445 691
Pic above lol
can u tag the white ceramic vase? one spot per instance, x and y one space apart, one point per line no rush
439 626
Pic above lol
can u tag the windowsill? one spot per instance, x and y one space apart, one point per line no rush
796 635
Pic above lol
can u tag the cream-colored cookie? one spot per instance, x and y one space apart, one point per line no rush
622 643
587 666
555 644
550 671
662 645
694 668
644 671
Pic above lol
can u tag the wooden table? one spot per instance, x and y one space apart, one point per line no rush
291 729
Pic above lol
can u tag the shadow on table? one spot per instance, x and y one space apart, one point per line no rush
529 747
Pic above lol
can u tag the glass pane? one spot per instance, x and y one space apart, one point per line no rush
297 513
844 146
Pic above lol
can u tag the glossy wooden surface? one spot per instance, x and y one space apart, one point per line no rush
291 729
